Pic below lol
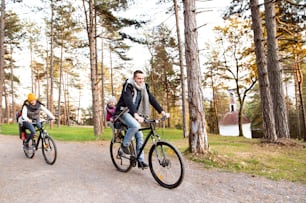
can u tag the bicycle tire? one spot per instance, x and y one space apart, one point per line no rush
49 150
30 151
122 163
166 164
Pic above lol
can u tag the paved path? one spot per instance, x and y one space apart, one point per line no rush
84 172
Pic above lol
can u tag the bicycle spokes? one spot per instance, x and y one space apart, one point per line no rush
121 161
166 165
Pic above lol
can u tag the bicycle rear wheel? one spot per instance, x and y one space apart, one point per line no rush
122 162
166 164
29 151
49 150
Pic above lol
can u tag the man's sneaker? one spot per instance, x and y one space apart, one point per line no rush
125 149
142 165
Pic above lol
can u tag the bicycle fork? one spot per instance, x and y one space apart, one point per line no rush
161 155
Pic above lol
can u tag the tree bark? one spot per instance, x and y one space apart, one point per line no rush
2 26
298 75
275 74
59 111
198 139
182 75
50 99
263 80
93 71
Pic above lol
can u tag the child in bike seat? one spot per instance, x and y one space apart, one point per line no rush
110 108
31 114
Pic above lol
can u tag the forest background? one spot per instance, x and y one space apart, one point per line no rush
228 62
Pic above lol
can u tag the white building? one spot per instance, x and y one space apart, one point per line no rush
229 125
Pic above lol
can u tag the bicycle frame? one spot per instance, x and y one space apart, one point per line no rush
40 130
150 134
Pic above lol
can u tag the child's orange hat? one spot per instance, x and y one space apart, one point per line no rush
31 97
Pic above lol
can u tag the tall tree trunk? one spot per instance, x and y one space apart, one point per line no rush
102 82
93 71
198 139
60 90
263 80
215 123
241 103
50 99
2 26
66 99
299 81
182 71
12 85
275 74
6 103
297 102
98 107
32 72
111 69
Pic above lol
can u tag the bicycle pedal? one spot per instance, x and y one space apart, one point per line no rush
134 163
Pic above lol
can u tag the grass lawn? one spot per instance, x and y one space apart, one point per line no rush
286 160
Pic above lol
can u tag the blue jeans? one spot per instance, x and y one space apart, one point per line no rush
133 127
30 126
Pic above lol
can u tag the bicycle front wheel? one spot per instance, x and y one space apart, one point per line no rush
49 150
166 164
120 161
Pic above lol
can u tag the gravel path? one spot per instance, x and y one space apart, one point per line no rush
84 172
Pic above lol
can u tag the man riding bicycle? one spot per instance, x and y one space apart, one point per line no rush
137 98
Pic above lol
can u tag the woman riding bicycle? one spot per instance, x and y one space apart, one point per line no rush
137 98
30 113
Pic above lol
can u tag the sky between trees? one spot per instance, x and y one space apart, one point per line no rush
210 15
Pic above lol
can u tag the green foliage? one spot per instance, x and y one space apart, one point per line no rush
13 28
163 48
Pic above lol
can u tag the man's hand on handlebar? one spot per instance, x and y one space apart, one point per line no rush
138 118
167 115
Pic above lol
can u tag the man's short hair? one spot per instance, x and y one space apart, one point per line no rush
137 72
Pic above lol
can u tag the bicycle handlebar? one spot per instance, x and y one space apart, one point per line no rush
146 120
34 122
163 118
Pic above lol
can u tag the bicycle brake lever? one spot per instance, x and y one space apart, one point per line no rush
163 118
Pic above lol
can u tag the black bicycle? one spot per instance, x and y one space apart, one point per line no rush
165 161
47 144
